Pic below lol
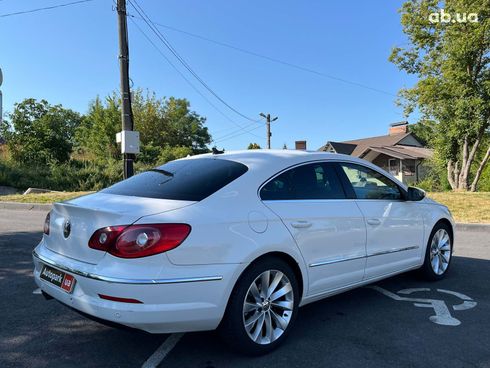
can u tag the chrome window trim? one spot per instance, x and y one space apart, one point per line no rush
352 258
337 161
117 280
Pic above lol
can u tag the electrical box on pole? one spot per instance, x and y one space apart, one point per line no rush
130 141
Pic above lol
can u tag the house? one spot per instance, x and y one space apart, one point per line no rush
400 152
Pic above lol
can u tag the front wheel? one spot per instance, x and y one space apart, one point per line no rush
438 253
262 308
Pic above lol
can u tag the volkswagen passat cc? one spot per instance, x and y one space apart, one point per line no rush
237 241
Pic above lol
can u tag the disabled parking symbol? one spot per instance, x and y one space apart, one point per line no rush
442 314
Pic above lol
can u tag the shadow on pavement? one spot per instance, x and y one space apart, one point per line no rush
363 328
358 328
39 333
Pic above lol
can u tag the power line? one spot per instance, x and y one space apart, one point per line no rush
191 85
275 60
169 46
225 138
45 8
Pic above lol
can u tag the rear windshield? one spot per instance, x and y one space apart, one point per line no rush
187 180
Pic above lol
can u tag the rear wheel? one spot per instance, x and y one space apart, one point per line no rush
438 253
262 308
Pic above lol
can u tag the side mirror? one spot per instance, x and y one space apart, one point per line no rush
415 194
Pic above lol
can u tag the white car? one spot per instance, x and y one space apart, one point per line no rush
238 241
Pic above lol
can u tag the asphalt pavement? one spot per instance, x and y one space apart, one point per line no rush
401 322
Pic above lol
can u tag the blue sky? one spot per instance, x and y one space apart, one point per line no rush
69 56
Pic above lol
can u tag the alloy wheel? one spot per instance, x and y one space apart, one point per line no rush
268 307
440 251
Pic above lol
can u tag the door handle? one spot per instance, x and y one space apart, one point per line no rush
301 224
373 221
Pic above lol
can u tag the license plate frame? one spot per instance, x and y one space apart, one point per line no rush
60 279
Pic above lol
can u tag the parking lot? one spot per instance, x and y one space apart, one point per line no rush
443 324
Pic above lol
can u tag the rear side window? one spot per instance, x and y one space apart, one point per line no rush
312 181
370 184
187 180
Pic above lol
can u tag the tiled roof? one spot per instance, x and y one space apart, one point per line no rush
386 144
357 147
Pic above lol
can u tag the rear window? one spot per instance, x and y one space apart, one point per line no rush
187 180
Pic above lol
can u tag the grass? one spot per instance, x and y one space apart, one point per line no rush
465 206
42 197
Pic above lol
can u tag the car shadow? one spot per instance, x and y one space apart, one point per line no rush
364 328
361 327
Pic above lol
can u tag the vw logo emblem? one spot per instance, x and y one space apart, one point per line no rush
66 228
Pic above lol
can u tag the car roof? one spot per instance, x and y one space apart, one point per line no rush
277 157
264 162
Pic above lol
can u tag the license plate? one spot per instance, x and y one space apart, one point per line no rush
58 278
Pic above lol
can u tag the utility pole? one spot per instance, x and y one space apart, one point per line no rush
1 97
126 111
268 122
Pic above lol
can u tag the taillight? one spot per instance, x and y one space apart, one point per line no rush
46 224
105 238
136 241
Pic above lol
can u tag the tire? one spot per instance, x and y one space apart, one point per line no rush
438 254
246 311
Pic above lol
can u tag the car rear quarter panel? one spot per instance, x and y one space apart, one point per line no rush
225 232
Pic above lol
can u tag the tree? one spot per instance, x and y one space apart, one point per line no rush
425 131
252 146
452 63
162 123
39 133
96 136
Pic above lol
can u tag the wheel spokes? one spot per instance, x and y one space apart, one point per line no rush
249 307
273 285
254 291
258 327
268 307
269 331
443 240
281 292
286 305
280 321
264 283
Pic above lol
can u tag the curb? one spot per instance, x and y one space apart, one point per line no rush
473 227
47 206
25 206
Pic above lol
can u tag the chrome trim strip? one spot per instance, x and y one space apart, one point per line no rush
121 280
392 251
344 259
336 260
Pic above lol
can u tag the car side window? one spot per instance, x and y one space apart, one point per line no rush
369 184
311 181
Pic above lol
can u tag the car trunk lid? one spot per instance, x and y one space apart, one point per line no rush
72 223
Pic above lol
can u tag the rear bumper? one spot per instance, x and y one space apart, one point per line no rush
169 304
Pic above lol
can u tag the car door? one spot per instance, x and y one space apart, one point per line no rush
328 228
394 225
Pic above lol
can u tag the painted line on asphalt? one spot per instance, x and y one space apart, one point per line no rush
37 291
157 357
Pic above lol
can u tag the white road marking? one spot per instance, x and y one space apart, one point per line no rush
157 357
442 316
37 291
413 290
